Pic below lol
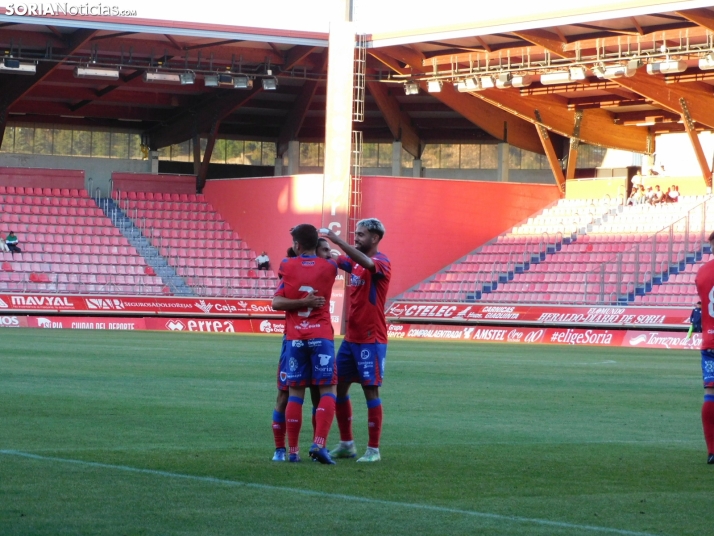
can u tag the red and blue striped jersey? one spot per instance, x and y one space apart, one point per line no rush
367 295
299 276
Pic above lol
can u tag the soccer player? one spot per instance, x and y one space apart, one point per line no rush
305 287
705 289
279 429
363 352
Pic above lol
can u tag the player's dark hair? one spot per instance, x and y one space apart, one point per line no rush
305 235
291 253
322 240
373 225
711 236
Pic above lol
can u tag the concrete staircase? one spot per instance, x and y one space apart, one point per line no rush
153 258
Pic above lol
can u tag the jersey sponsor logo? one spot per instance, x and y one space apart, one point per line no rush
324 359
308 263
293 364
175 325
356 281
106 304
314 343
306 325
3 304
297 344
364 354
203 306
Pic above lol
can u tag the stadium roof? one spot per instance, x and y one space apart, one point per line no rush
613 111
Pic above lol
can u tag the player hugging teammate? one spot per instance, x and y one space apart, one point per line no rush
303 293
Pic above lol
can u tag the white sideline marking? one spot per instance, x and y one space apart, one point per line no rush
415 506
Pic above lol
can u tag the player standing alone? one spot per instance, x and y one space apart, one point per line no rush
705 289
305 287
363 352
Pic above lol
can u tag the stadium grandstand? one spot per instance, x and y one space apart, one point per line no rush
188 146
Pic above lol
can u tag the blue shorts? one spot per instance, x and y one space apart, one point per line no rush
708 368
361 363
283 376
310 362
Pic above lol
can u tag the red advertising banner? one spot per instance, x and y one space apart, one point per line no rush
541 314
535 335
11 321
500 334
85 322
138 305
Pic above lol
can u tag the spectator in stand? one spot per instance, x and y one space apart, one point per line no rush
263 261
635 196
3 246
673 194
658 196
11 241
636 181
649 195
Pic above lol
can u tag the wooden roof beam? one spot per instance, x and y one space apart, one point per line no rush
547 40
500 124
702 17
17 87
297 54
295 119
200 118
697 94
597 126
399 123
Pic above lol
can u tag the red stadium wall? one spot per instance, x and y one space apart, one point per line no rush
430 222
149 182
42 178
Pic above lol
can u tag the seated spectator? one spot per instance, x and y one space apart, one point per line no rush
636 196
658 196
263 261
3 247
11 241
673 194
649 195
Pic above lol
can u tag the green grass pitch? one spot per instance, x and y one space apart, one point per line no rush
169 433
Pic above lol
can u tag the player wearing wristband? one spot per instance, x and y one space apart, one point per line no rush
304 290
705 288
279 429
363 352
